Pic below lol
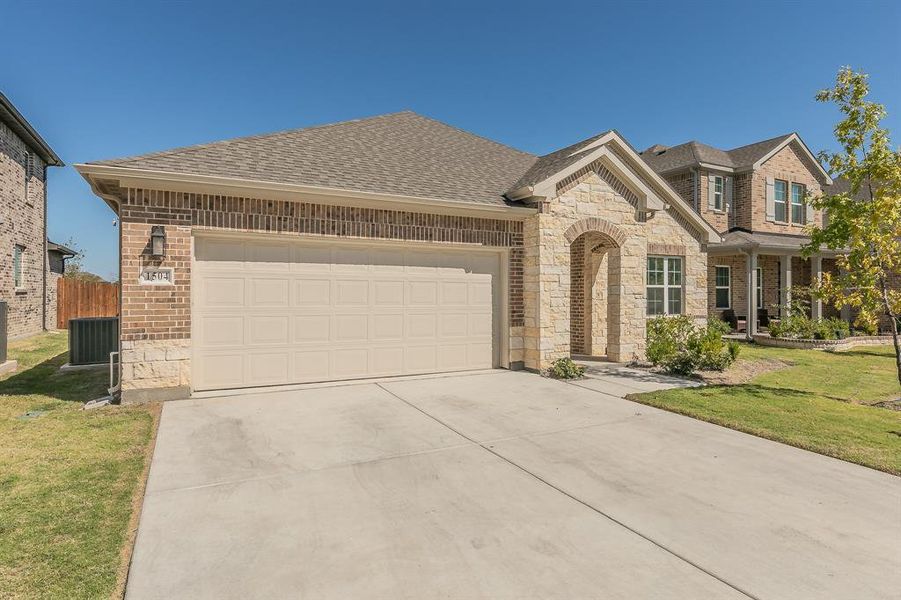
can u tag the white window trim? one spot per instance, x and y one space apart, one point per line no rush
717 287
802 204
666 286
786 201
719 197
758 293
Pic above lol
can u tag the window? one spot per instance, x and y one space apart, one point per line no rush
781 194
718 193
18 258
759 288
798 208
723 287
664 285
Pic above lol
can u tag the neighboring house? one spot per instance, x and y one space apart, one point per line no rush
56 268
755 196
387 246
24 268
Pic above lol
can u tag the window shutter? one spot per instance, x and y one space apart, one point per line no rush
711 188
770 198
727 192
808 218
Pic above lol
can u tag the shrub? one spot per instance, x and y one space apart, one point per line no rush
680 347
803 327
565 368
719 325
734 349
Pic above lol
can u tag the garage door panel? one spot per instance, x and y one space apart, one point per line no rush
387 327
273 312
350 362
223 291
311 365
351 328
351 292
388 360
269 368
313 292
312 328
220 370
423 292
221 330
269 292
422 325
267 330
421 359
452 356
388 293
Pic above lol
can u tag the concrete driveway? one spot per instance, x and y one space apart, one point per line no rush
499 485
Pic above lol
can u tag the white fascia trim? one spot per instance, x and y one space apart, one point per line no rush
713 167
793 138
165 180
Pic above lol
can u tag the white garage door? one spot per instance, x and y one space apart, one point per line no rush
269 312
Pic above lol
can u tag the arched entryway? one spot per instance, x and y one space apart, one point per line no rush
595 288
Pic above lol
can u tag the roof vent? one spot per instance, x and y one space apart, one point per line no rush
657 149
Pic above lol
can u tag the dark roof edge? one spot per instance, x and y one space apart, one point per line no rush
54 247
19 124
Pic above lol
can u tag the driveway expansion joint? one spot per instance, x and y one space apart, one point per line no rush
587 505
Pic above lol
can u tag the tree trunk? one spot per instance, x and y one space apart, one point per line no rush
893 319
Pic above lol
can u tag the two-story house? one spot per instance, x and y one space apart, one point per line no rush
25 273
755 196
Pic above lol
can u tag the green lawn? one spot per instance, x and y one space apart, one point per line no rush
68 478
820 402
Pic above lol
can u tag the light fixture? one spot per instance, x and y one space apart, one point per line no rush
158 241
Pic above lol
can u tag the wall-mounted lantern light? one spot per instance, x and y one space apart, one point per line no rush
158 241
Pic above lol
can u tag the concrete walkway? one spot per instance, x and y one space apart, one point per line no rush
499 485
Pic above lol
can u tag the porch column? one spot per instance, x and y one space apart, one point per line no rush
785 294
816 276
751 295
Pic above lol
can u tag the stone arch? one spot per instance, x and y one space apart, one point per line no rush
595 224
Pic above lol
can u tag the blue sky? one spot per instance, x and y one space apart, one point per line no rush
107 79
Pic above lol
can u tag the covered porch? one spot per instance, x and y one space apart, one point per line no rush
763 268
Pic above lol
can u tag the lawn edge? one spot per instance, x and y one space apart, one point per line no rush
636 397
137 505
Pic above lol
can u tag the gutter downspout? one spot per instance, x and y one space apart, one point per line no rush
46 259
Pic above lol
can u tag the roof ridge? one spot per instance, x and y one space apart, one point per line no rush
772 139
258 136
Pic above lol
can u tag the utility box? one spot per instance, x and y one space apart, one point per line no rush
91 340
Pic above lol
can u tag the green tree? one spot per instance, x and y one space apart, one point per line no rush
865 223
75 264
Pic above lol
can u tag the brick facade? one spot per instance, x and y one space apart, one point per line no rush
789 165
22 224
156 320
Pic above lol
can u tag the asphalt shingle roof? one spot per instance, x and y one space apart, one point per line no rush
401 153
692 153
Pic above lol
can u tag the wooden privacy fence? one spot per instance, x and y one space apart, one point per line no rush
85 299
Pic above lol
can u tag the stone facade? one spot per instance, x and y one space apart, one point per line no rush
156 320
22 180
594 203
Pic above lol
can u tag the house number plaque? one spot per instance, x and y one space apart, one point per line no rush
156 276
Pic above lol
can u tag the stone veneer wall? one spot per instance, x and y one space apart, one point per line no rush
593 199
156 320
22 223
